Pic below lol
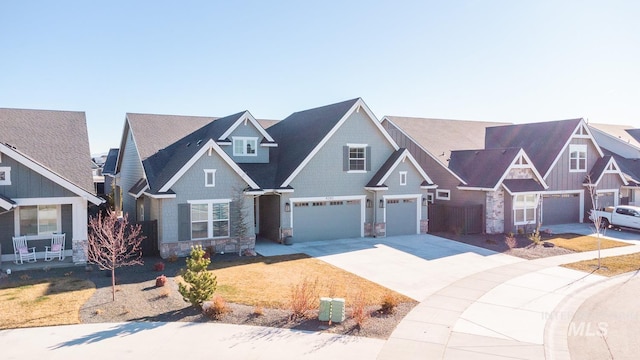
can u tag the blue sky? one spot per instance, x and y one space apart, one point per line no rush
515 61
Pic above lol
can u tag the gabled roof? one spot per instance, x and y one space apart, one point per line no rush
381 176
629 167
604 165
514 186
302 134
544 142
110 164
55 140
486 169
6 203
635 133
623 133
441 136
163 166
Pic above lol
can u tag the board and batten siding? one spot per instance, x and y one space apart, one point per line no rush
131 171
191 186
561 178
26 183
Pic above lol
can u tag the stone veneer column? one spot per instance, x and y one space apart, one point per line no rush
495 212
79 250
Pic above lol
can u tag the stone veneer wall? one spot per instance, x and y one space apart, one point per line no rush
424 226
380 230
495 212
80 250
226 245
520 173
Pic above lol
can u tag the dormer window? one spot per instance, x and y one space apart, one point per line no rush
5 175
577 158
244 146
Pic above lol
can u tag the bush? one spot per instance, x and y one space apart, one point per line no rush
159 266
510 241
535 236
161 281
215 308
359 312
389 304
303 298
200 283
258 311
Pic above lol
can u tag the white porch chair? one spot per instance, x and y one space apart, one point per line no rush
22 251
56 248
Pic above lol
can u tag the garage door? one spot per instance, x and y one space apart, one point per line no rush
326 220
560 209
604 199
402 217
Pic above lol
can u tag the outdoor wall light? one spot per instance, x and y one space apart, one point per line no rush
381 203
369 203
424 201
287 207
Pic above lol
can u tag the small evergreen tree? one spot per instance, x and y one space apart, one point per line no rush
201 284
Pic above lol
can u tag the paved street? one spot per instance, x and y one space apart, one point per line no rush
474 304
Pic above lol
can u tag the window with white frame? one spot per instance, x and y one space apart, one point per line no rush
443 194
5 175
524 209
39 219
209 220
577 158
209 178
403 178
357 158
245 146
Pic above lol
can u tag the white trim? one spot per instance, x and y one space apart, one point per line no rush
616 194
160 196
403 178
425 150
210 144
406 155
417 197
356 107
6 205
430 198
361 198
139 193
243 119
244 140
210 220
7 175
535 207
578 148
611 162
447 197
514 165
209 201
566 145
377 188
40 169
206 177
269 145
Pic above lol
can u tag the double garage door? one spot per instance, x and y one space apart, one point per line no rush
337 219
560 209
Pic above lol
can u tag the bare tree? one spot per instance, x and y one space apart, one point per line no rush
599 223
113 243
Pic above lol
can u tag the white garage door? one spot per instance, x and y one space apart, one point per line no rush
326 220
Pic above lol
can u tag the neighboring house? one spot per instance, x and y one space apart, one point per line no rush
325 173
111 191
523 174
623 143
45 179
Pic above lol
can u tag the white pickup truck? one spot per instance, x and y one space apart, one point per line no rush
618 216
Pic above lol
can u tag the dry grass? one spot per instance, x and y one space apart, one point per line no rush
268 281
579 243
55 301
610 266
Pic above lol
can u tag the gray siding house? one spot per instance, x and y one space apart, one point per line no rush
45 180
324 173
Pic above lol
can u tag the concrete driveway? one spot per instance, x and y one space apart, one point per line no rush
413 265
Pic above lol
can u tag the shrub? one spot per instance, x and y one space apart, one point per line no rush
172 258
389 304
165 293
359 312
303 297
535 236
159 266
200 283
215 308
510 241
258 311
161 281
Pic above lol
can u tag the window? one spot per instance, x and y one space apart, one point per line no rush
356 158
403 178
524 209
209 178
209 220
577 158
443 194
244 146
39 220
5 175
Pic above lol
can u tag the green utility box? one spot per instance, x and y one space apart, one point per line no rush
337 310
324 313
